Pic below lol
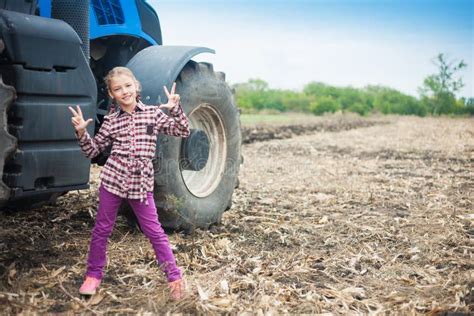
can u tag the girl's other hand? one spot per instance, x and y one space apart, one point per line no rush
176 289
78 121
173 98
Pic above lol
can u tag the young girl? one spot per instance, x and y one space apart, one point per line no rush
128 173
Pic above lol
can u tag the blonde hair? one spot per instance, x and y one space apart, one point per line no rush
122 71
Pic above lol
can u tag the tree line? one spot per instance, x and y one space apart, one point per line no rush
437 96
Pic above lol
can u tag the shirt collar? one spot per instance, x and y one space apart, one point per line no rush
139 107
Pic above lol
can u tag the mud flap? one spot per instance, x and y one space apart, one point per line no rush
158 66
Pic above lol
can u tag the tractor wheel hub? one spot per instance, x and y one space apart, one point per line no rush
195 151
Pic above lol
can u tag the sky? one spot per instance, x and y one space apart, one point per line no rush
338 42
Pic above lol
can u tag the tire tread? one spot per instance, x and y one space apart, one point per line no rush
8 143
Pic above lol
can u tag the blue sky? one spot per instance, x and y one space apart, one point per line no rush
339 42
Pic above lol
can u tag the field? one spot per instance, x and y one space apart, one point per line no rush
337 214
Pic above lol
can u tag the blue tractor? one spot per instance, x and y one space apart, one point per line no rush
55 53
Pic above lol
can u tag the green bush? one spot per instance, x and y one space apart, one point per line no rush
468 106
318 98
324 105
359 108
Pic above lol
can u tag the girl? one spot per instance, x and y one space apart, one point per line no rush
128 173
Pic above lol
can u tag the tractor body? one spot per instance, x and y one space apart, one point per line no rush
55 53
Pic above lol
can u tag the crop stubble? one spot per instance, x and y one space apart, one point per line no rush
371 219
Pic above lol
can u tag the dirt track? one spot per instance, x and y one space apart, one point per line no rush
371 219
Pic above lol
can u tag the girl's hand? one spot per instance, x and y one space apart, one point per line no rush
78 121
176 289
173 98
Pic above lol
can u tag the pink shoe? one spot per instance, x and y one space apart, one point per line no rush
89 286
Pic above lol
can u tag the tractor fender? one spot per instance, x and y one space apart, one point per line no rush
158 66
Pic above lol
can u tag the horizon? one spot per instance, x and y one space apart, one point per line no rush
341 43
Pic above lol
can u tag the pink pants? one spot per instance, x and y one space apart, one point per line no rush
148 219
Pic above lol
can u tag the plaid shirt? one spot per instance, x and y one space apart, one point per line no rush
128 171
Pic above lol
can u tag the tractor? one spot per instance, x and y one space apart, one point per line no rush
55 53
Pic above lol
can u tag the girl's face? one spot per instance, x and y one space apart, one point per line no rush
123 89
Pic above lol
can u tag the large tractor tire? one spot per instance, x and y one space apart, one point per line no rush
195 177
194 185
